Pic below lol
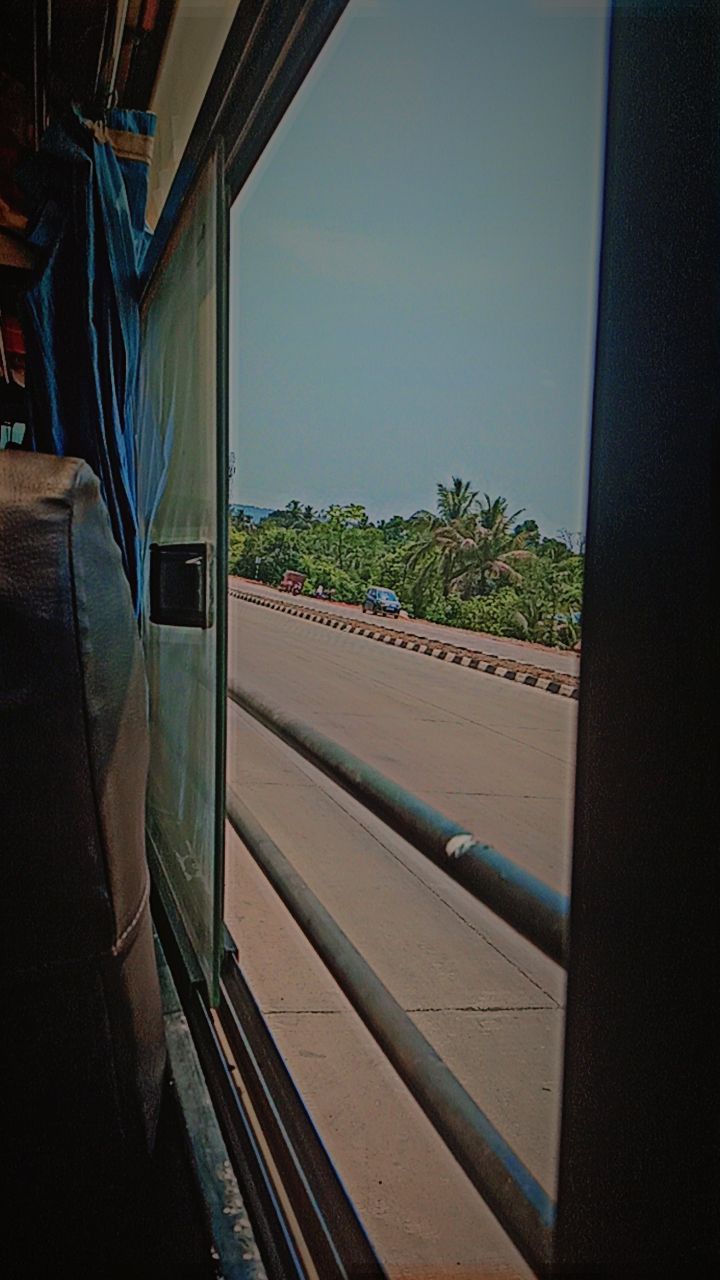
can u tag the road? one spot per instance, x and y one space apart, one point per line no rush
499 759
494 646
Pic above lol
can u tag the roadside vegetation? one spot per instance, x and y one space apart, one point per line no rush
470 563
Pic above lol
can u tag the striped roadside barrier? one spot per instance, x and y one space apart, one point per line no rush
522 673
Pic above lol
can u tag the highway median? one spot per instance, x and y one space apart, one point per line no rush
522 673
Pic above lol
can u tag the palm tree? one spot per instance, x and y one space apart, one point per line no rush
436 539
493 511
470 543
482 555
427 552
456 500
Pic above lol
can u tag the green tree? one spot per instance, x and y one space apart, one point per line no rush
550 597
455 500
435 536
493 514
430 557
395 530
240 519
237 544
469 543
289 516
530 531
469 564
339 519
482 554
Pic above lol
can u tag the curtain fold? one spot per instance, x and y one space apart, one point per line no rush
89 186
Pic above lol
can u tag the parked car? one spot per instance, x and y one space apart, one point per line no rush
381 600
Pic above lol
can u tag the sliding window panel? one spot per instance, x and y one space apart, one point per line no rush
182 462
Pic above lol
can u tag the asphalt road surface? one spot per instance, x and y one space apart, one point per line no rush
495 646
498 758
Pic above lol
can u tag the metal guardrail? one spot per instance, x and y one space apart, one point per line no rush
525 903
518 1201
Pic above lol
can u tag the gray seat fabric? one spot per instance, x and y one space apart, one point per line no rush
83 1046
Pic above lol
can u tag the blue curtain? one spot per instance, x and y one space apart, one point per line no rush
89 185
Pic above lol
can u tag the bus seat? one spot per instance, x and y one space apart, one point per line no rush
83 1046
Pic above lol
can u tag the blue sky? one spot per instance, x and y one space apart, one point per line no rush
413 264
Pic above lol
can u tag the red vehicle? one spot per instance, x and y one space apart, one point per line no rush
292 582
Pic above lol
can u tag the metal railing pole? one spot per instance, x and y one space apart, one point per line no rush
515 1197
528 905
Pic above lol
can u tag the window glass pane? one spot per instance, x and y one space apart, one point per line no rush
413 294
195 42
178 498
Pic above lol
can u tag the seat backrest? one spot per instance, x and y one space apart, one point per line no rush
83 1034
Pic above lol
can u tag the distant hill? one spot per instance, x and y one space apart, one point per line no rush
256 514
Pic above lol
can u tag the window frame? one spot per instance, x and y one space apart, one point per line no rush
654 305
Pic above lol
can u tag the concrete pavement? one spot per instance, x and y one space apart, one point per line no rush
499 759
540 655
